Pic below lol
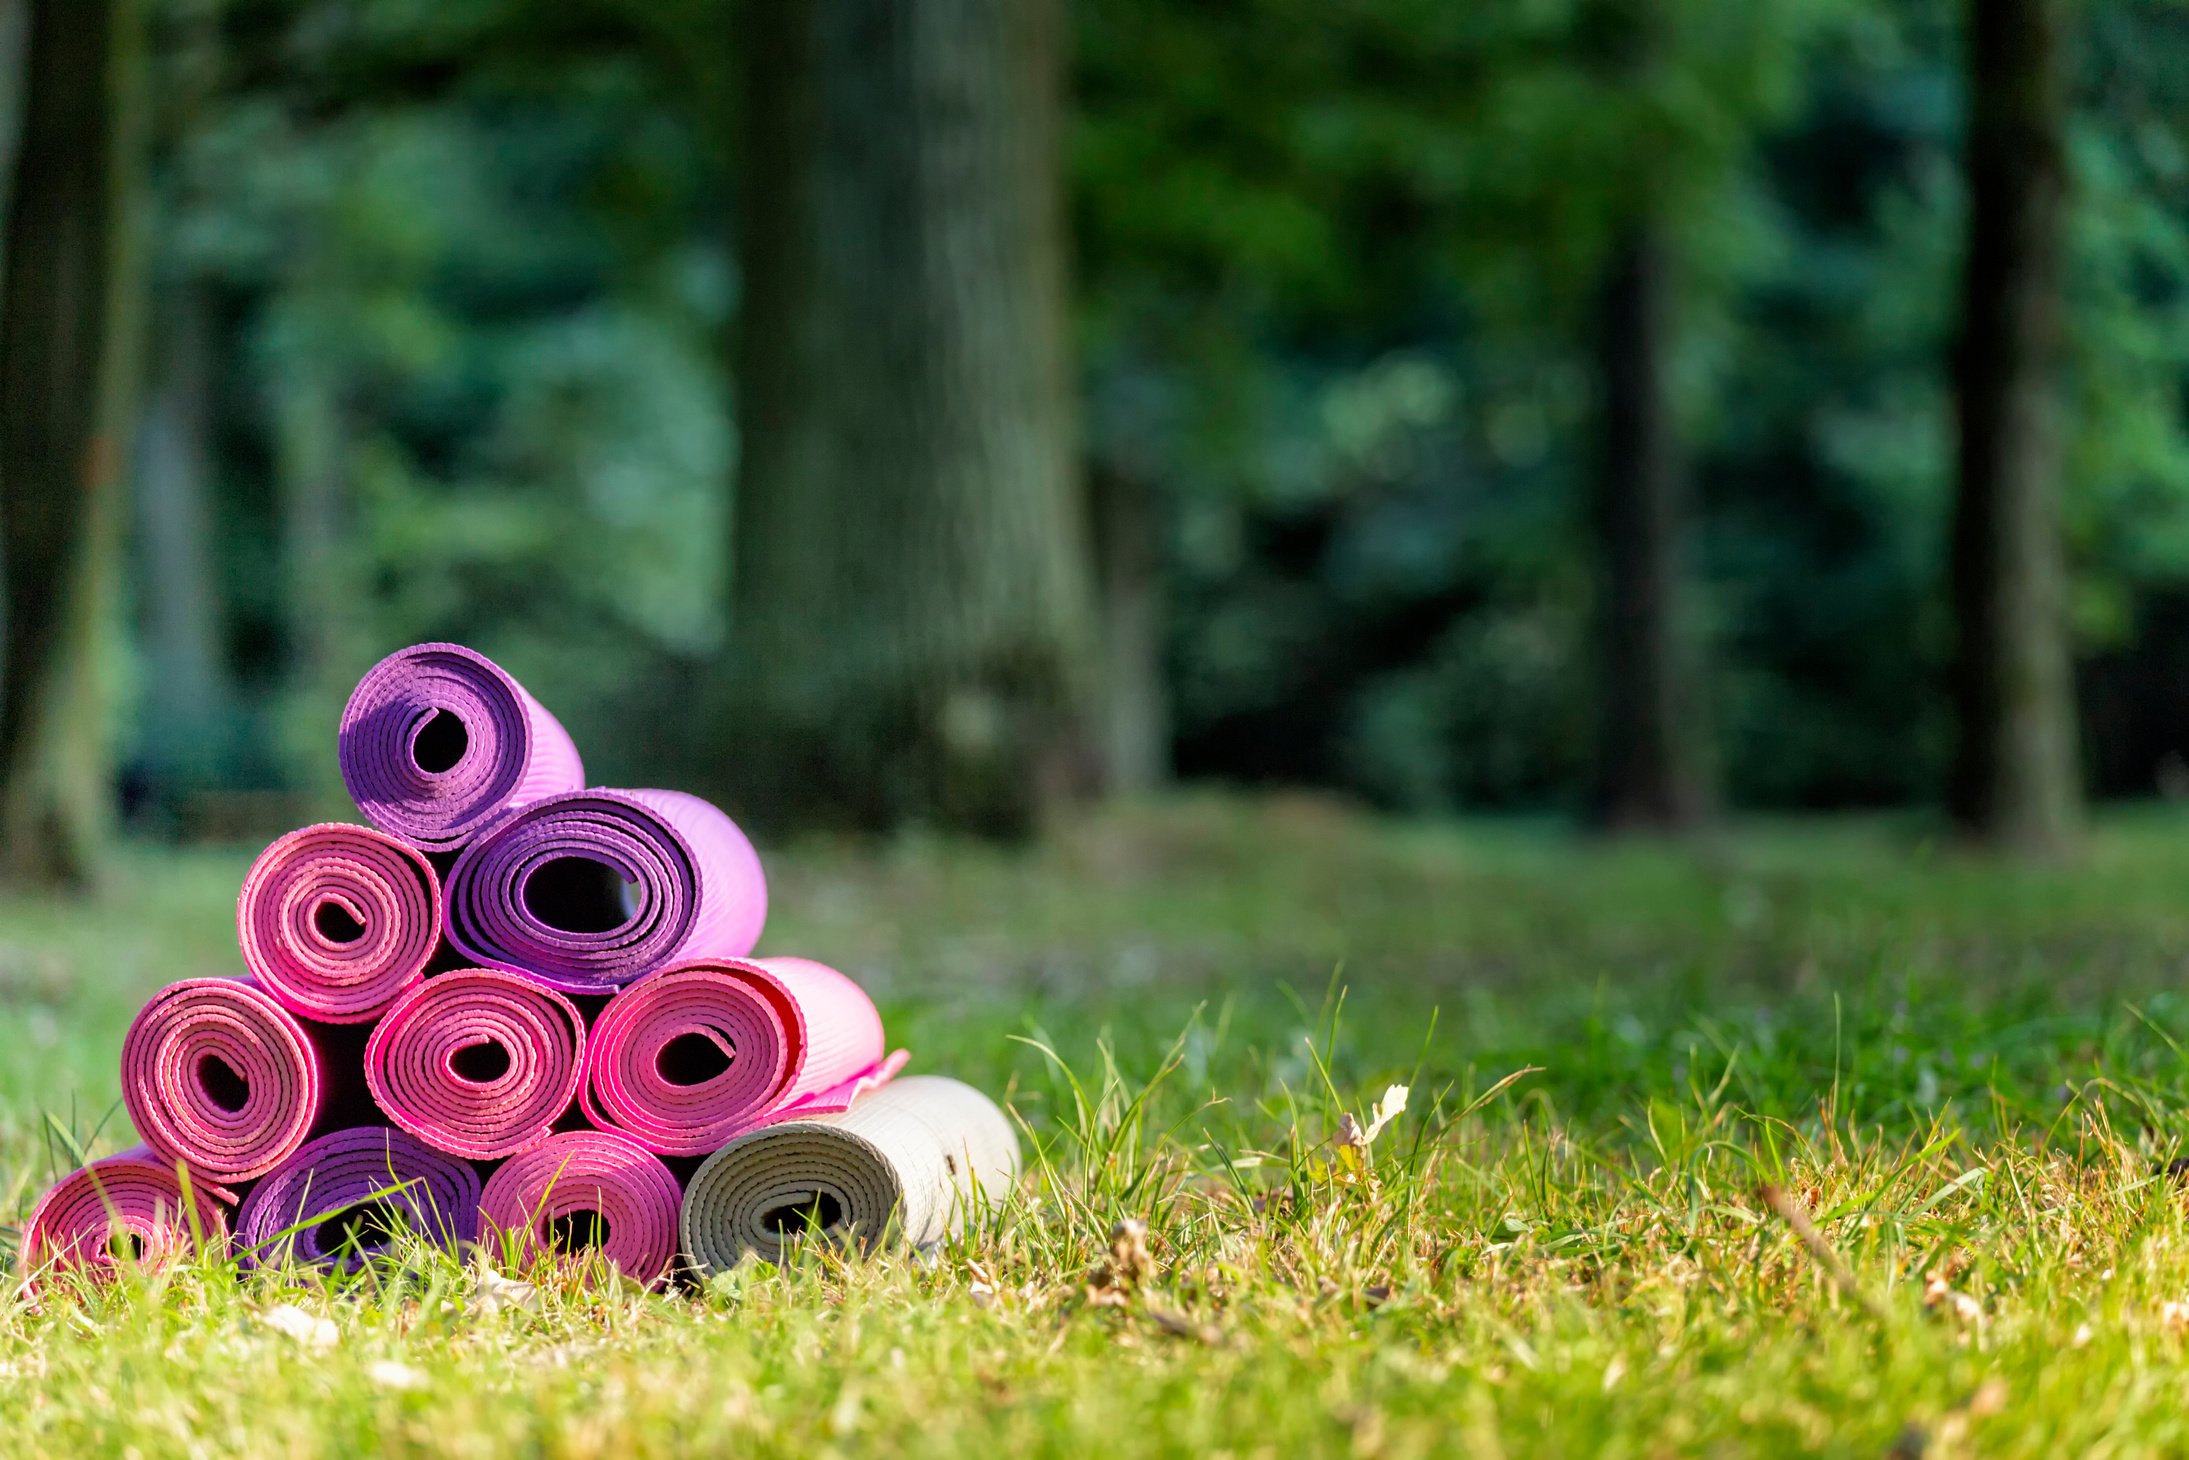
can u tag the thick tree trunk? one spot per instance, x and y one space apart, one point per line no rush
66 355
188 698
912 620
1136 721
1650 742
2016 783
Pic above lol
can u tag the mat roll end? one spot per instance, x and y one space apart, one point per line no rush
127 1207
916 1158
438 740
587 1189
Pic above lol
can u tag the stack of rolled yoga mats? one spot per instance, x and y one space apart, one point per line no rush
513 1010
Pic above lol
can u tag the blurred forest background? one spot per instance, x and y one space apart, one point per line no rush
885 413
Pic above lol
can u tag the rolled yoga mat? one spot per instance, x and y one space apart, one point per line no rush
589 890
347 1194
218 1074
477 1062
689 1056
588 1188
126 1207
915 1151
335 920
437 740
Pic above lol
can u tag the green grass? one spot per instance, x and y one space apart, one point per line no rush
1972 1078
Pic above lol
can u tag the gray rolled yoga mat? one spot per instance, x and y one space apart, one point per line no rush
917 1149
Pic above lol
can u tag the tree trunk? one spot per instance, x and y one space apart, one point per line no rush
67 349
1650 744
912 616
2016 783
1136 723
188 698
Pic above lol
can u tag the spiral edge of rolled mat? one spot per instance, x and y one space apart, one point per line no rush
352 868
137 1188
628 1187
918 1157
545 759
437 1192
183 1016
823 1029
411 1019
703 893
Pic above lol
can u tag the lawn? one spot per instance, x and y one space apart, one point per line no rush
1814 1139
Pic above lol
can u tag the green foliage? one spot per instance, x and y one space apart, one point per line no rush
1337 269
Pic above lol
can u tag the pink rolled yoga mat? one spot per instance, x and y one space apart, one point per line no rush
689 1056
588 1187
477 1062
343 1197
437 740
126 1207
337 920
589 890
218 1074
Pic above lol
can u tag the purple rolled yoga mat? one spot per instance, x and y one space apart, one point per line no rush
588 890
216 1073
437 740
126 1207
344 1193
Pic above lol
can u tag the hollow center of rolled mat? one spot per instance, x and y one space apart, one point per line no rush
579 895
819 1211
125 1246
578 1230
692 1059
336 923
480 1063
222 1085
440 743
368 1227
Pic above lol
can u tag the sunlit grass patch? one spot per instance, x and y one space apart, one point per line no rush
1965 1086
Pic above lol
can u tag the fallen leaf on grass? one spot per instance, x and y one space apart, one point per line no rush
491 1292
389 1374
313 1333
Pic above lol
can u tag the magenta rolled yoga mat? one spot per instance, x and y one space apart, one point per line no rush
589 890
345 1195
437 740
689 1056
126 1207
216 1073
477 1062
588 1188
337 920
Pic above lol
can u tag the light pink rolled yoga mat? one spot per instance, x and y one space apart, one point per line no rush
340 1198
477 1062
588 1187
218 1074
689 1056
337 920
126 1207
437 741
589 890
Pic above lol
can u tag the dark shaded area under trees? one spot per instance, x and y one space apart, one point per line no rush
923 414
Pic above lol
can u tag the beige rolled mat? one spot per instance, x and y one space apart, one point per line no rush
906 1158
